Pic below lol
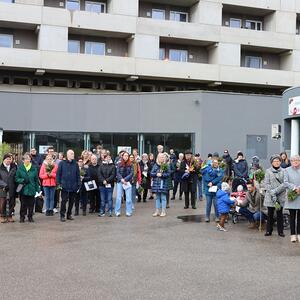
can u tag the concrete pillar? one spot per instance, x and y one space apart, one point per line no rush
144 46
53 38
121 7
1 136
295 131
225 54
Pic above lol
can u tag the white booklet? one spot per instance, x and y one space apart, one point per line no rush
126 186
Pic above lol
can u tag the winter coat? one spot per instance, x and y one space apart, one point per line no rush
254 202
30 180
124 172
223 202
107 172
275 187
48 179
240 169
189 183
92 173
7 181
212 175
37 161
137 176
169 179
68 176
160 184
229 165
145 172
292 181
178 172
285 165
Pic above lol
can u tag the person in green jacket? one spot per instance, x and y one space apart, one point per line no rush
28 180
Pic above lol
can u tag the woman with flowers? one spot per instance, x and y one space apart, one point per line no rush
190 169
160 174
292 183
48 175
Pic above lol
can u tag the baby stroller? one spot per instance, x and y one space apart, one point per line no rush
238 181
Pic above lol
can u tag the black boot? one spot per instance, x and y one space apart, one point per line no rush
76 212
30 220
22 219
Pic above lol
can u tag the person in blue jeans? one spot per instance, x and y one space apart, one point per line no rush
106 178
212 177
160 173
124 177
253 208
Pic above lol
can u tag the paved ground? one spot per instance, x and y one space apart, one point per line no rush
144 258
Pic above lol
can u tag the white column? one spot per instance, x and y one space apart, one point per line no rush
1 136
295 137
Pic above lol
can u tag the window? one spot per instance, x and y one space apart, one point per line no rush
162 53
6 40
158 14
178 16
236 23
73 46
95 48
97 7
178 55
254 25
7 1
253 62
73 5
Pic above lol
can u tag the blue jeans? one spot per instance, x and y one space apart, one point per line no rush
199 186
49 197
250 216
161 197
211 199
106 197
119 200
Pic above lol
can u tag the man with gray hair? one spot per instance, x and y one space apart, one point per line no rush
160 149
68 176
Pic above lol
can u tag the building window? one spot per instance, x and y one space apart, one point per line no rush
158 14
162 53
97 7
73 5
73 46
253 62
254 25
178 16
7 1
236 23
6 40
95 48
178 55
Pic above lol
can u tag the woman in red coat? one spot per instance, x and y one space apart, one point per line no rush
48 176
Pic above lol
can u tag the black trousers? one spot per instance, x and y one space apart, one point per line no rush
27 206
270 220
94 197
295 221
56 198
176 184
67 197
193 197
145 193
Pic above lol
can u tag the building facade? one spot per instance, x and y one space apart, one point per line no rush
145 58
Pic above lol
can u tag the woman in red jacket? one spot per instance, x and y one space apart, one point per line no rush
48 176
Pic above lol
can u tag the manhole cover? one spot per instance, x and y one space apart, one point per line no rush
193 218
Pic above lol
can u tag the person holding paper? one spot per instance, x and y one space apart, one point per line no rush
28 180
124 177
106 178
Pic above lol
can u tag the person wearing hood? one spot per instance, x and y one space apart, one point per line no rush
224 204
275 196
106 179
292 183
240 169
229 162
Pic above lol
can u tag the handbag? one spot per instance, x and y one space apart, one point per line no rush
90 185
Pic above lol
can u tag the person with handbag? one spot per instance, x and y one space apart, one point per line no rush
7 188
68 177
275 196
212 180
292 183
28 187
48 175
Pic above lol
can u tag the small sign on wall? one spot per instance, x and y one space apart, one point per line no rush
43 149
294 106
124 148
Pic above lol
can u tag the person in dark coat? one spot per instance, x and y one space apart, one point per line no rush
151 163
68 177
145 172
36 159
190 168
106 180
94 195
177 177
27 177
7 188
285 162
240 169
229 163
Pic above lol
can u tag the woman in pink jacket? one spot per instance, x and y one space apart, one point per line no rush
48 176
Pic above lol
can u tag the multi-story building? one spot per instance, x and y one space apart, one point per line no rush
80 73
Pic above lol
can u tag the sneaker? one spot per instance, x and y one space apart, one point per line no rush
44 210
207 220
163 213
128 215
222 228
293 238
55 210
219 226
156 213
118 215
101 215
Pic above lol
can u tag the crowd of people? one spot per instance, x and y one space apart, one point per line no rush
228 184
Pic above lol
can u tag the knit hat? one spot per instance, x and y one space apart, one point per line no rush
188 152
225 187
240 188
216 154
275 156
7 155
255 159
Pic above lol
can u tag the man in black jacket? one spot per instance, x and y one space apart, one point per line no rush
68 176
8 188
94 194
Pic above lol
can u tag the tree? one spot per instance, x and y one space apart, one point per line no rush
4 148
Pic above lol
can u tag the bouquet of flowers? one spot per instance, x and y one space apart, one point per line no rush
140 189
49 168
259 175
292 195
82 172
164 168
222 164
